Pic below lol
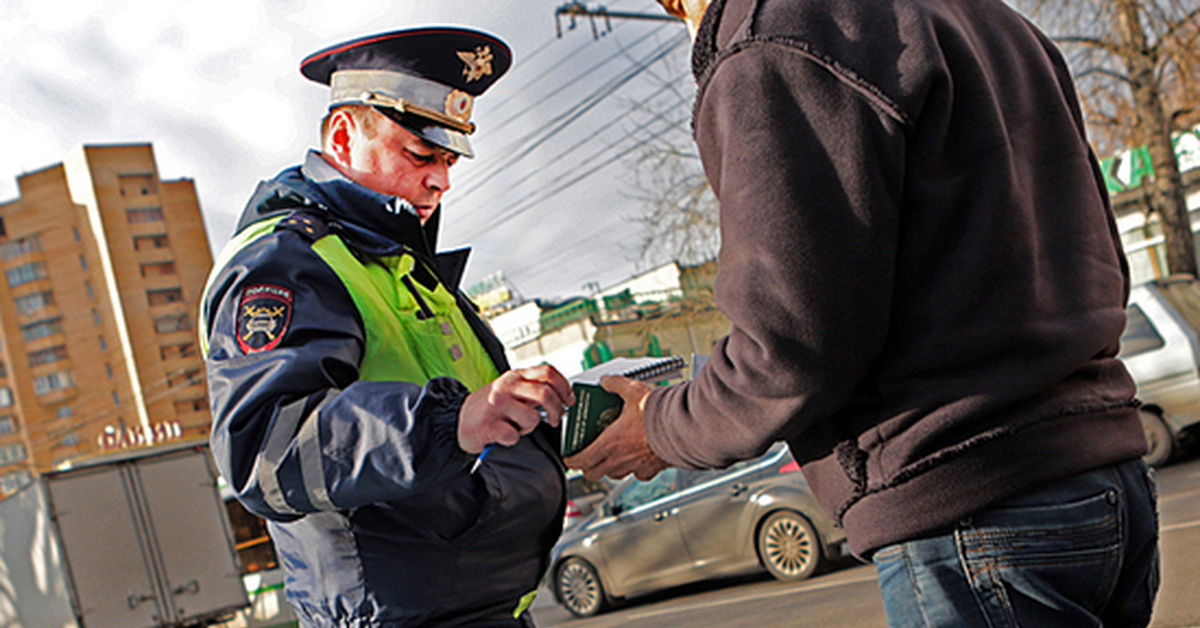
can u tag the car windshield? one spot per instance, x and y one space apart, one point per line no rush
638 493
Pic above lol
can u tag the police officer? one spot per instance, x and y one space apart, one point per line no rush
353 385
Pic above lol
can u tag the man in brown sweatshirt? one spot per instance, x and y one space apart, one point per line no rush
927 294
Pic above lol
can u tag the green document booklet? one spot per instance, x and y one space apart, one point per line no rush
596 408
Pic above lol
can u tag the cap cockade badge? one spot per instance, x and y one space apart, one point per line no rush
458 105
263 316
479 63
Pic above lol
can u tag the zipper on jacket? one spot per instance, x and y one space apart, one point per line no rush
425 313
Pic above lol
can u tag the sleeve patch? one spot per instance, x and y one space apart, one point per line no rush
264 312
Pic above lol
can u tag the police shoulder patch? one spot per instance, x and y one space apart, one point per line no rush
264 312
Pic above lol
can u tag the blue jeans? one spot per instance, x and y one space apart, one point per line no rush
1079 552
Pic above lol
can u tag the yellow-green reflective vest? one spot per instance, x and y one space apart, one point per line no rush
413 333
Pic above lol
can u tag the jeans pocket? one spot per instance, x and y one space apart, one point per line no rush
1027 562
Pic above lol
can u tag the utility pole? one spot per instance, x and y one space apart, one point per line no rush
578 9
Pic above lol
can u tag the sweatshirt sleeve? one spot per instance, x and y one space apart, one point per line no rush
294 429
807 163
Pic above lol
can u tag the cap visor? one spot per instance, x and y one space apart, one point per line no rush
437 135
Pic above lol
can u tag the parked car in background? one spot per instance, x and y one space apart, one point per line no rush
583 495
1161 350
686 526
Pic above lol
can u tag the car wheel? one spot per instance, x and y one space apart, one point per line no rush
788 547
578 588
1159 438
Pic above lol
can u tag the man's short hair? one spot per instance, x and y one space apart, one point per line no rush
364 116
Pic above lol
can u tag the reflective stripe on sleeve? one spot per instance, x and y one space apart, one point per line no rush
312 464
291 424
286 423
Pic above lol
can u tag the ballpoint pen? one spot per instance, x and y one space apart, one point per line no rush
482 456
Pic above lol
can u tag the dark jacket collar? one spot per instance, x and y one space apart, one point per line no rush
704 49
369 216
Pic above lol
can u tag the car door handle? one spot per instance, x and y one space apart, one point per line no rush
663 514
738 489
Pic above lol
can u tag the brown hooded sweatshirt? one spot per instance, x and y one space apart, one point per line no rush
918 257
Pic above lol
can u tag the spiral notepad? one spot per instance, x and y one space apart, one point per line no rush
646 369
596 408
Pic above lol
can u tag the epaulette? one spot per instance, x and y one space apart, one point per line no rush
309 226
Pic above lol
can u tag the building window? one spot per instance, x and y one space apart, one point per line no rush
108 369
26 273
49 383
200 404
83 262
148 214
116 399
12 453
31 303
183 378
88 286
173 323
15 481
164 296
95 316
8 425
6 398
103 344
147 242
63 412
46 356
158 269
75 230
3 370
41 329
70 440
134 185
20 247
184 350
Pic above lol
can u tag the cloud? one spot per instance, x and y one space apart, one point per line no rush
67 104
92 48
215 87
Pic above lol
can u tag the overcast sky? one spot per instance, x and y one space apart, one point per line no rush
214 85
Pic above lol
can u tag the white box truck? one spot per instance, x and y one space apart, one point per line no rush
137 540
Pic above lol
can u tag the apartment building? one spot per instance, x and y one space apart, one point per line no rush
104 265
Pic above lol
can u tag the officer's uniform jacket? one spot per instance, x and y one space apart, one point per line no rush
339 352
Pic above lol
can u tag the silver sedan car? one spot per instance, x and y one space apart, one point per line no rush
686 526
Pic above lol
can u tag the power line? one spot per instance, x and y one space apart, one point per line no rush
582 142
569 249
525 63
560 89
49 438
531 200
562 121
578 9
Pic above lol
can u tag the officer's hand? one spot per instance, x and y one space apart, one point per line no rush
508 407
621 448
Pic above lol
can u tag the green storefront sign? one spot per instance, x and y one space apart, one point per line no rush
1128 170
